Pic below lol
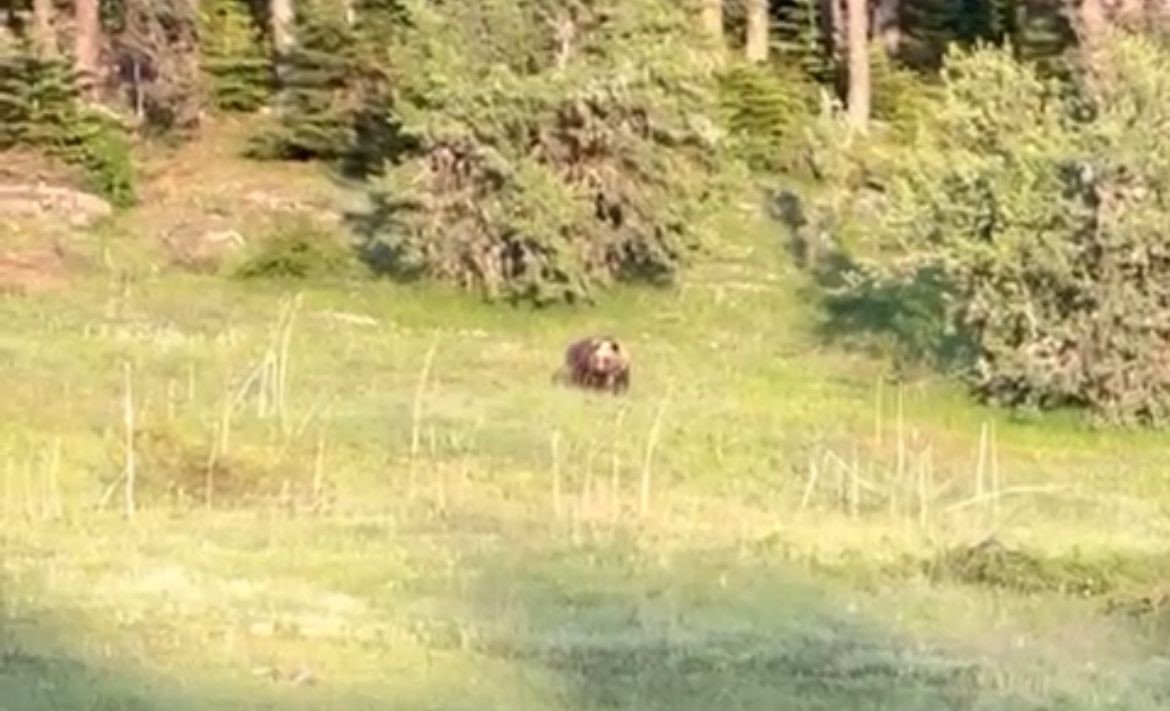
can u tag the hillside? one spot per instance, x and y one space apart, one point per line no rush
356 494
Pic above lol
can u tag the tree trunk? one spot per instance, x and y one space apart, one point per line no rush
87 44
283 35
712 17
1131 13
44 39
887 27
857 104
833 24
1092 21
756 44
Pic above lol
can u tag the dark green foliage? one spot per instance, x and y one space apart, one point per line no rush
334 104
296 249
995 566
315 103
766 109
1036 31
544 171
40 108
903 100
233 56
803 42
1044 36
1044 217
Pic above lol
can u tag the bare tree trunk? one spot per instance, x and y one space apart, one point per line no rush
833 24
1093 20
44 39
87 44
1161 13
858 99
756 44
887 27
283 36
1092 25
712 16
1131 12
565 33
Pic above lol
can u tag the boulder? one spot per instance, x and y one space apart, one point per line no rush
72 207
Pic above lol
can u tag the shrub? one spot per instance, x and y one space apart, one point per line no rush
558 147
40 108
1041 209
295 249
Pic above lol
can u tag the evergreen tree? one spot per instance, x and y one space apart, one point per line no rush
335 102
764 108
801 40
316 103
41 107
233 56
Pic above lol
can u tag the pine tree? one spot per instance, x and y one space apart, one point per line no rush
38 100
764 107
41 107
315 105
1037 32
233 58
335 99
802 42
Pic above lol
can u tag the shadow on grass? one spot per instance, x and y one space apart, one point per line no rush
555 626
702 631
906 321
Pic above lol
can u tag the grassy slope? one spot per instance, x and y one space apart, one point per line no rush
479 574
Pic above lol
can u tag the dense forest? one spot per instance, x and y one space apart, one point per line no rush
979 180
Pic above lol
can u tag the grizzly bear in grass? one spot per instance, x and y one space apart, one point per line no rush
596 363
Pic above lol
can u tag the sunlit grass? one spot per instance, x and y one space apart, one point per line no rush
492 541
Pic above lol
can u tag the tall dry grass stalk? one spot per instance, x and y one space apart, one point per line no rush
995 482
555 452
190 383
131 471
8 468
648 459
269 377
416 410
171 399
220 445
615 467
319 466
54 507
981 463
29 511
900 460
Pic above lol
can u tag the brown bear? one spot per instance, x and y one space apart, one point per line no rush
596 363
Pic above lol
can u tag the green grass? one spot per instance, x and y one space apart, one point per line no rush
339 566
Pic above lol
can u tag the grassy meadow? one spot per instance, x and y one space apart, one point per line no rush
362 495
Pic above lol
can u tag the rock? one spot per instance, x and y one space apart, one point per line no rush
276 203
202 249
78 209
32 271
